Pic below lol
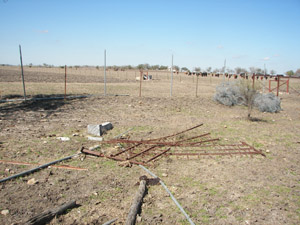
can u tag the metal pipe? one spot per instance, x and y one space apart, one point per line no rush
105 72
172 197
37 168
171 77
22 72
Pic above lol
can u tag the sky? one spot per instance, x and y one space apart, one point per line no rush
247 33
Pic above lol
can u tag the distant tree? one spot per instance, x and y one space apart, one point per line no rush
228 70
155 67
290 73
208 69
272 72
197 69
163 67
115 68
216 71
141 66
184 69
97 67
252 69
30 65
244 70
176 68
297 73
258 70
238 70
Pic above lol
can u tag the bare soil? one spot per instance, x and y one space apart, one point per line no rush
212 189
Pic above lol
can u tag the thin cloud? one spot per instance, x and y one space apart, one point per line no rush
266 58
220 46
43 31
276 55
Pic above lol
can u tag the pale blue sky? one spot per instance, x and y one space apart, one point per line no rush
198 33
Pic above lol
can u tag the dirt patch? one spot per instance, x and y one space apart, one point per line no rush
212 189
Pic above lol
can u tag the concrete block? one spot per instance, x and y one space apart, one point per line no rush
99 129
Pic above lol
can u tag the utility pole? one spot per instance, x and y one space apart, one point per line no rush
224 70
22 72
264 78
171 77
104 71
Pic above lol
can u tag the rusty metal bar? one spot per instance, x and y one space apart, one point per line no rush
147 142
188 139
38 164
172 135
99 154
212 153
254 149
142 152
159 154
127 149
109 157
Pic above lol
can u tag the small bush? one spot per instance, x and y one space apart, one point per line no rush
267 103
242 93
228 94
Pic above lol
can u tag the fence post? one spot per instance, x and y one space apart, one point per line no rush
104 71
197 85
278 78
141 77
65 81
171 77
22 72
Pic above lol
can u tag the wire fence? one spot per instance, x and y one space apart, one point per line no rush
43 82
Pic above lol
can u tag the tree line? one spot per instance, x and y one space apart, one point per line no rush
146 66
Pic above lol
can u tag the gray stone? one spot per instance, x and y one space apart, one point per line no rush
99 129
95 138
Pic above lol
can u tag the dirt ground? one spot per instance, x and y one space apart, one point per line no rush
211 189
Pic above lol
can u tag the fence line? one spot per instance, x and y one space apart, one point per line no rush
87 81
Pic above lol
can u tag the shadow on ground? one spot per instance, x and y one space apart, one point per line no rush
48 103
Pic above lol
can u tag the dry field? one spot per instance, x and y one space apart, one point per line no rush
212 189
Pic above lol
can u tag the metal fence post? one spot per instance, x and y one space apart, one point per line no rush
22 72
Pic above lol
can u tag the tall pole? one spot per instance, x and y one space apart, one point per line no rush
22 72
65 81
224 70
104 71
264 78
171 77
197 85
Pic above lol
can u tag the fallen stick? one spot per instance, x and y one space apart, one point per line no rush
137 202
46 216
38 164
37 168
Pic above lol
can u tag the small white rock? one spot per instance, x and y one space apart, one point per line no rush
4 212
138 219
32 181
164 175
267 151
63 138
45 142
